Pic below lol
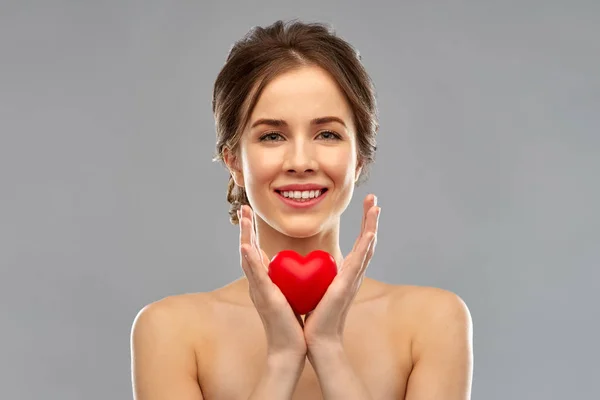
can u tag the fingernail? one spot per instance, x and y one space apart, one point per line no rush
374 200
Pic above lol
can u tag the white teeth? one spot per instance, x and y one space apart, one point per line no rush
301 195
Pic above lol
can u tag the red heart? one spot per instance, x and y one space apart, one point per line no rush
303 280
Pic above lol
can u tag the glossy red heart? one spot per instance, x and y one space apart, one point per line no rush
303 280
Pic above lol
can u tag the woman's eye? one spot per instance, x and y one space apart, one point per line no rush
328 135
276 136
270 137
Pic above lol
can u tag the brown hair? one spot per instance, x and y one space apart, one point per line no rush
264 53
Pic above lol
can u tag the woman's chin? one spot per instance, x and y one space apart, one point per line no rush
300 228
300 232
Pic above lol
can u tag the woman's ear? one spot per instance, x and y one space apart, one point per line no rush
234 167
359 167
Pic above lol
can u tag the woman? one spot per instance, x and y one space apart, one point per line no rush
296 122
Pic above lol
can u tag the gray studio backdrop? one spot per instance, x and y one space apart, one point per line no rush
487 173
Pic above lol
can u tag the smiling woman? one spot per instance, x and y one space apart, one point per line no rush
306 135
296 123
271 60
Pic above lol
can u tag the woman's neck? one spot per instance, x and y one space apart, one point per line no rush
272 241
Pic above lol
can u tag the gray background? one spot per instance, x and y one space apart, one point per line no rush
486 172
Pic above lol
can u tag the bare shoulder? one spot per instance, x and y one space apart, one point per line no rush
173 307
417 305
163 347
182 315
427 301
435 315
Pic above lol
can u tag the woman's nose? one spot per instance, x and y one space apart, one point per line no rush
301 158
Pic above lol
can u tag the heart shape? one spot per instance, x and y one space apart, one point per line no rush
302 280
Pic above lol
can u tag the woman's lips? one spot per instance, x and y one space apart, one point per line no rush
302 204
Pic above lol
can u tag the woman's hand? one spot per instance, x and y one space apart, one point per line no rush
283 328
324 326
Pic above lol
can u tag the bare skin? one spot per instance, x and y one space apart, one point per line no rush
212 345
225 333
397 342
378 345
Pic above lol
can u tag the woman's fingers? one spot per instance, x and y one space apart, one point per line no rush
363 248
255 237
248 213
245 243
372 227
369 237
249 251
246 267
369 202
245 233
372 219
257 274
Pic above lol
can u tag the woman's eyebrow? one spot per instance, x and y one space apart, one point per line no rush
281 123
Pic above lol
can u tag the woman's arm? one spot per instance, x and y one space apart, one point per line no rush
337 378
442 356
279 379
163 363
442 350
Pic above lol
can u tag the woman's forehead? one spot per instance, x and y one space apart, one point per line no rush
301 96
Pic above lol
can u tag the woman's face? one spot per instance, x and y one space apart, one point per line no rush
295 148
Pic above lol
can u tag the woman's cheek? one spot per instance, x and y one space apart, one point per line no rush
339 166
262 167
